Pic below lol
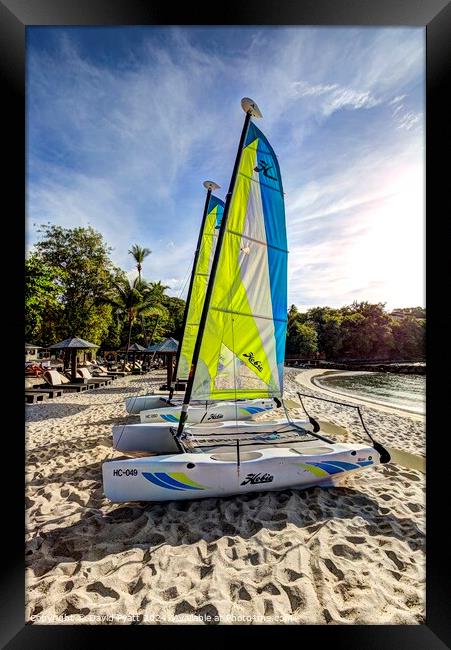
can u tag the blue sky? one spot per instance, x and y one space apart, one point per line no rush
124 124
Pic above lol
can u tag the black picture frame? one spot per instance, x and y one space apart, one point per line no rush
435 16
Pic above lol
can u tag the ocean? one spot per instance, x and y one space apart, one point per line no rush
404 391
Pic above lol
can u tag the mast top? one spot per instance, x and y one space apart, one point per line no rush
249 106
210 185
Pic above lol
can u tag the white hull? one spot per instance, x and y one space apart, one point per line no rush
134 405
242 410
158 437
202 475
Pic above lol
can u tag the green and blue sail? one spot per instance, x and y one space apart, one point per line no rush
243 345
201 274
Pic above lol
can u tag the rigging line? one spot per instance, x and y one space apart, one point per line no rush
185 280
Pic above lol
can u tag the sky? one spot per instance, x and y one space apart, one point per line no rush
125 123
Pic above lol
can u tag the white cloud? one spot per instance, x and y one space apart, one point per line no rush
335 97
125 147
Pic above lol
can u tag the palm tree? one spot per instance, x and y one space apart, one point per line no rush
139 254
158 290
132 300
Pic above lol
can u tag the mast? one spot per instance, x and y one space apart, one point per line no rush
251 109
209 186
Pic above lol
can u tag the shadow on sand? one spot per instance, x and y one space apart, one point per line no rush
54 410
115 389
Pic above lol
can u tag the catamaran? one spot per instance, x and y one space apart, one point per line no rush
239 351
167 408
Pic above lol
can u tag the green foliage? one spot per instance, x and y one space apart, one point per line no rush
139 254
130 300
409 336
304 339
414 312
72 288
85 273
359 331
43 307
175 308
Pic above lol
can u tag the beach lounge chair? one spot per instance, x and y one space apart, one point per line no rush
101 371
56 379
137 370
92 381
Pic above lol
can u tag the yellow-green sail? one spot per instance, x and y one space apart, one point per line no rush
243 345
201 274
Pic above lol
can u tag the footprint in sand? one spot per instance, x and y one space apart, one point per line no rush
334 569
102 590
170 594
394 558
184 607
269 607
205 571
292 576
209 614
269 588
341 550
297 600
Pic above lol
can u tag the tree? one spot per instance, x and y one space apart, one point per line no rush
43 306
85 275
328 325
175 308
139 254
131 300
304 339
409 337
293 316
415 312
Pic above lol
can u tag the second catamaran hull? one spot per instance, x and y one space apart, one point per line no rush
134 405
240 410
158 438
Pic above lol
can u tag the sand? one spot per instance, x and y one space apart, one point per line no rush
353 554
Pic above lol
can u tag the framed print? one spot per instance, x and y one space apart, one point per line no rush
225 316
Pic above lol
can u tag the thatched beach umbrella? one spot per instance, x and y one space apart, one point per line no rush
73 344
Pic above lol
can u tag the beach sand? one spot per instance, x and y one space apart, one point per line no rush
352 554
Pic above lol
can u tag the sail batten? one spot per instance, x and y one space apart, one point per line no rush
243 343
257 241
242 313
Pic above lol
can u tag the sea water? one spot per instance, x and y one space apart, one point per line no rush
404 391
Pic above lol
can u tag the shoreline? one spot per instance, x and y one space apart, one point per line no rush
307 379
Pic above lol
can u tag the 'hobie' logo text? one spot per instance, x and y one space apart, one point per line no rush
254 479
253 361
